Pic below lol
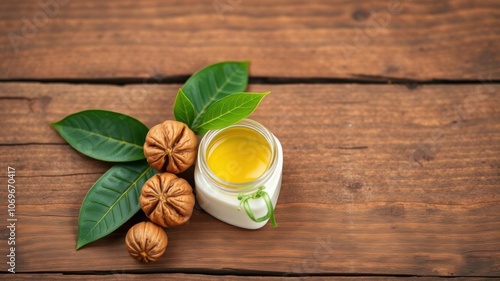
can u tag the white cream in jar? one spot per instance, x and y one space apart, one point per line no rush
238 174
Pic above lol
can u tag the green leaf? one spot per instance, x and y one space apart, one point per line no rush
112 200
104 135
212 83
183 108
229 110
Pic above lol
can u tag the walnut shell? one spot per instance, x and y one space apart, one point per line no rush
167 200
146 242
170 146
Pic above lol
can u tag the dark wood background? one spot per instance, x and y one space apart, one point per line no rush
388 112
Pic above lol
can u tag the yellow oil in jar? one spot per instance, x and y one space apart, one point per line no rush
238 155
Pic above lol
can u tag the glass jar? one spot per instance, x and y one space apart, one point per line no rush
238 174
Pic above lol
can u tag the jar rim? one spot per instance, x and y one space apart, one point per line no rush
245 187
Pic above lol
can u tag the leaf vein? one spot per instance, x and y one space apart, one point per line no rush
97 224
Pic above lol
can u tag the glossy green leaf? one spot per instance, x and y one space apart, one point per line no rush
229 110
112 200
104 135
212 83
183 108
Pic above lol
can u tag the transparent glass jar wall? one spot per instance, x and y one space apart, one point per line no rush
244 204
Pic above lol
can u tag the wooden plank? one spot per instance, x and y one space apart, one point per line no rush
378 179
200 277
37 105
406 39
154 277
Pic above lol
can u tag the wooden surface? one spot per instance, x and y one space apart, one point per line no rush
381 181
419 40
156 277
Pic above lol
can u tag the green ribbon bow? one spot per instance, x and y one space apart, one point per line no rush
260 193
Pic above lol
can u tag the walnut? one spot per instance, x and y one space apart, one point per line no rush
167 200
146 242
170 146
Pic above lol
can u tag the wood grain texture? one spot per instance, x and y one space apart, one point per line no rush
378 179
201 277
419 40
204 277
